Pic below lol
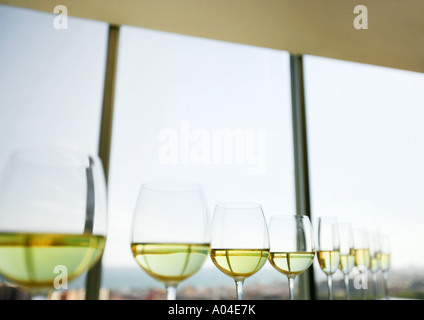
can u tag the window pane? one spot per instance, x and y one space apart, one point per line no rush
366 157
175 96
51 83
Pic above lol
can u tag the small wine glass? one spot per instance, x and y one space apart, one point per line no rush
170 231
53 216
240 243
385 261
347 253
328 249
362 256
292 249
375 262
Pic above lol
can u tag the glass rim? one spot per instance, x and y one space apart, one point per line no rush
38 156
281 216
171 185
238 205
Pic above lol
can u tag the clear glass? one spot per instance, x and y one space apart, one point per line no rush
292 249
375 255
362 256
170 233
385 261
53 216
240 242
328 249
347 253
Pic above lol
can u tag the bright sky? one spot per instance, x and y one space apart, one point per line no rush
366 141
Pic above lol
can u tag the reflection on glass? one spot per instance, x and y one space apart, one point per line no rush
52 217
292 249
170 239
240 243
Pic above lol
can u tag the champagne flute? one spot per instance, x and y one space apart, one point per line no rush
385 262
375 262
240 243
328 249
170 231
52 217
362 256
292 249
347 253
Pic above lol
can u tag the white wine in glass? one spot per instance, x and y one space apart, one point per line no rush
239 243
385 261
362 256
347 253
170 236
53 216
375 262
292 249
328 249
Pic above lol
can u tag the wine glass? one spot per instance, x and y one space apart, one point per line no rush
375 262
347 253
240 243
362 256
170 231
385 261
292 249
53 215
328 249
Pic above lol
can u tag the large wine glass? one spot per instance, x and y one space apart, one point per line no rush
170 234
362 256
385 261
347 253
52 217
240 243
328 249
292 249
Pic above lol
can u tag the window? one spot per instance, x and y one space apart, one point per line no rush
366 154
177 99
51 83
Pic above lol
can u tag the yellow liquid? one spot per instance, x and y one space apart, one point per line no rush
170 263
30 259
375 262
362 258
291 263
239 263
385 261
329 261
347 261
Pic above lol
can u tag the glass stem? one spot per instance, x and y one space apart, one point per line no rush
291 288
239 289
346 281
330 286
374 280
364 285
171 292
386 288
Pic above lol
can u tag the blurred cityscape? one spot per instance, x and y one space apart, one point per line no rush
403 284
